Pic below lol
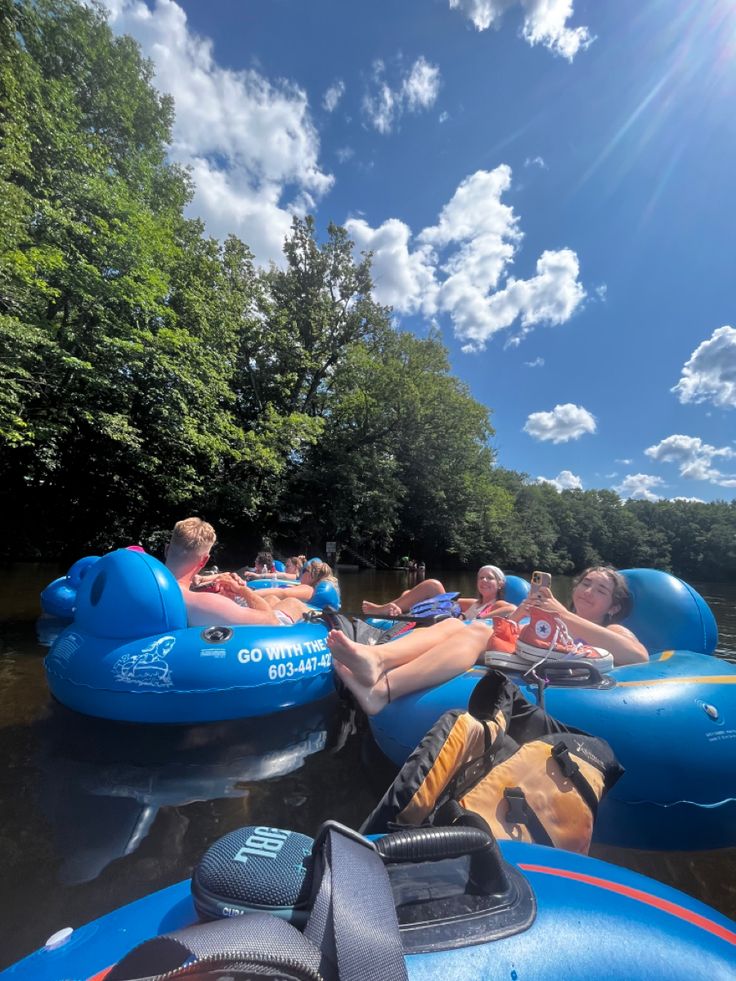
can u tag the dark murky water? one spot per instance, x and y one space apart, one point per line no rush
96 814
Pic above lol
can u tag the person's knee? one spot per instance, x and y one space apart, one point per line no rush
434 585
479 631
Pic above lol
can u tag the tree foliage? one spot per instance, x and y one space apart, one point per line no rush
147 371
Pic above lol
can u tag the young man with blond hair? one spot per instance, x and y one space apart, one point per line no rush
187 553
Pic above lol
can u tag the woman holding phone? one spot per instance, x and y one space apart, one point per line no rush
600 599
376 675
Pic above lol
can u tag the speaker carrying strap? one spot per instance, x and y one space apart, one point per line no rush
352 933
353 920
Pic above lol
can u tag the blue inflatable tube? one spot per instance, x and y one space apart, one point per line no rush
272 583
59 598
671 722
517 589
592 920
326 593
130 656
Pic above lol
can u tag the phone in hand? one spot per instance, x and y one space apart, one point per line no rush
539 580
207 586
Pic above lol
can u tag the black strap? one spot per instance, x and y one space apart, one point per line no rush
258 939
519 812
570 769
352 933
353 919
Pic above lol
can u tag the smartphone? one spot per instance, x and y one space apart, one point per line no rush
205 587
540 579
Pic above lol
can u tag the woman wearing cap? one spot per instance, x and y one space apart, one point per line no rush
489 602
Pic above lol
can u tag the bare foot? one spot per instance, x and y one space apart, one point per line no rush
371 698
364 661
382 609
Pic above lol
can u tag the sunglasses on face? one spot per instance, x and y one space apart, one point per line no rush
487 579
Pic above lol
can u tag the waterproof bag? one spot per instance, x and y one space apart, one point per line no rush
528 776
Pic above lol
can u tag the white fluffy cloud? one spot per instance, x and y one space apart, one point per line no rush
545 22
332 96
417 89
251 143
639 486
457 266
694 458
563 423
402 278
565 480
710 373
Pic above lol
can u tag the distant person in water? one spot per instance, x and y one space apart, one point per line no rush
226 599
313 573
264 563
489 601
292 570
430 656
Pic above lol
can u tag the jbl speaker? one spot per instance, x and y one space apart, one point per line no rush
255 870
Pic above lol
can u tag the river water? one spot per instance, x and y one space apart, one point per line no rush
96 814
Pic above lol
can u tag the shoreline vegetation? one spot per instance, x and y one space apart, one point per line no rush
149 372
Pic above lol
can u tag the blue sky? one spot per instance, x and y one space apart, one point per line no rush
551 182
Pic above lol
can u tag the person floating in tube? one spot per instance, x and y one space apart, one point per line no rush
224 597
433 655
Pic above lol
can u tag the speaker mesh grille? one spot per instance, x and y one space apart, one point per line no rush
256 866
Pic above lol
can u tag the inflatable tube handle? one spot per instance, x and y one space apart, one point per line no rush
436 843
566 674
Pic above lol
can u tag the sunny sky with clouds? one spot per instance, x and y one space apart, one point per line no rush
551 182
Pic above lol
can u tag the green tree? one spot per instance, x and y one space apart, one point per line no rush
117 388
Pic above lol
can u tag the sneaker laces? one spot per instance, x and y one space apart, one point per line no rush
563 638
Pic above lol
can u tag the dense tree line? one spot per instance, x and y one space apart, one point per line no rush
149 371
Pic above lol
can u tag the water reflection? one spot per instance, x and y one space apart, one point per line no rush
103 784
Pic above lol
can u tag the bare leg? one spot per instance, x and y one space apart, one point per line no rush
367 662
452 655
292 607
422 591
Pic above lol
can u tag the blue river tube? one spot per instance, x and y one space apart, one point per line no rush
326 593
130 656
586 919
670 721
59 598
